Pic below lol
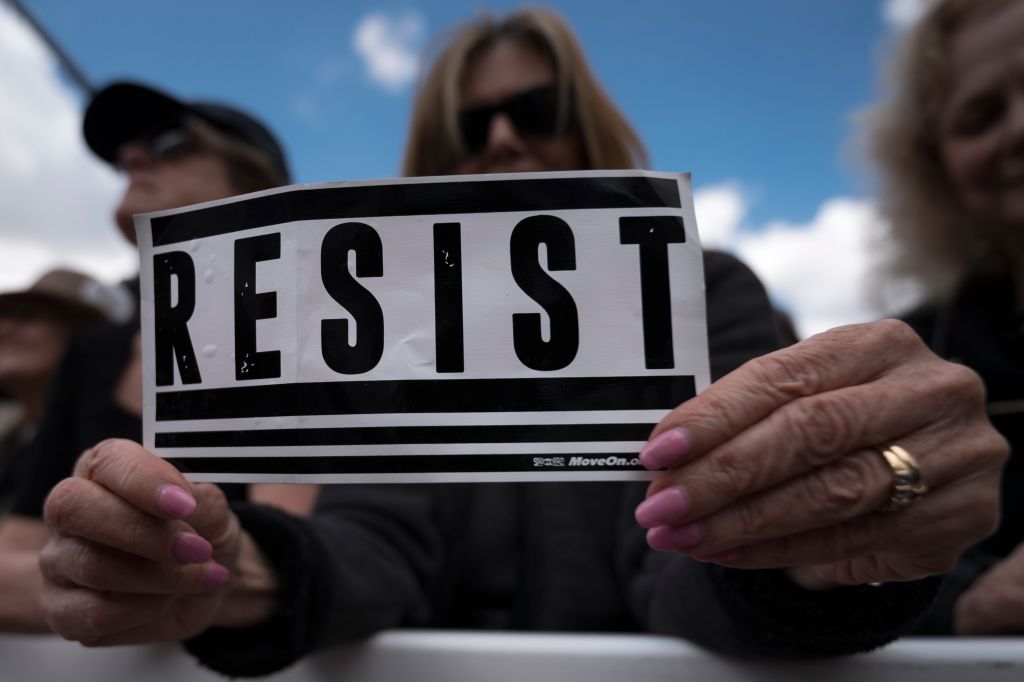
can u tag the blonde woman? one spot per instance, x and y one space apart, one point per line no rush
772 468
949 144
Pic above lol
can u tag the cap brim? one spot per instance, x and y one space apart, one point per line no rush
123 112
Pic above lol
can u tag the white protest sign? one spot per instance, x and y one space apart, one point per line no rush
467 328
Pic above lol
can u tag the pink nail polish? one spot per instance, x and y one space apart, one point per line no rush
664 538
190 548
664 507
666 449
215 575
174 500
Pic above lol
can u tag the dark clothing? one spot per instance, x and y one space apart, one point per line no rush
14 459
979 328
81 412
542 557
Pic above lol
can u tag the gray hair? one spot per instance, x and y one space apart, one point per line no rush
935 242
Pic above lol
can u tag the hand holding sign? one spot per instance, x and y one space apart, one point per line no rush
143 554
776 467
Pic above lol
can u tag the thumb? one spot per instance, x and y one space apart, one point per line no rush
214 520
137 476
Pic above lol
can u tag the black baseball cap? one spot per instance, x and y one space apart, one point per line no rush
124 111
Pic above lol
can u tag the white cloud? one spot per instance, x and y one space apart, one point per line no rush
57 199
720 210
817 271
23 260
900 14
389 47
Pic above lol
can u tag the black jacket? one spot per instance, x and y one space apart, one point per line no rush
980 328
542 556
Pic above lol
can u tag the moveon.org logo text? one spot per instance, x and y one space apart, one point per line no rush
578 461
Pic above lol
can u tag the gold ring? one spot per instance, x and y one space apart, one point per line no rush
907 485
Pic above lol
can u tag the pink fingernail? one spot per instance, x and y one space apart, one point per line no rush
175 500
664 507
215 575
664 538
189 548
667 449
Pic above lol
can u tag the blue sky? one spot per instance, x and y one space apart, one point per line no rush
755 98
759 92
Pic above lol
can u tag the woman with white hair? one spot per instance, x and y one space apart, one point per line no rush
949 145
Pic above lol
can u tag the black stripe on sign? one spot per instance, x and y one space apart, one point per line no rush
428 198
427 396
395 435
402 464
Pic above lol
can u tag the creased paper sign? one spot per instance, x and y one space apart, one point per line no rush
468 328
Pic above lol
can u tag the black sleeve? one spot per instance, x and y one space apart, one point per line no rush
741 324
923 320
753 612
764 614
52 452
367 561
299 563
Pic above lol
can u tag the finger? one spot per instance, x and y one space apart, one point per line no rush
77 562
923 540
811 432
797 438
140 477
836 492
81 614
83 508
992 613
214 521
846 489
842 357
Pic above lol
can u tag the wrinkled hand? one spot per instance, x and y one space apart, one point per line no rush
995 603
135 553
774 466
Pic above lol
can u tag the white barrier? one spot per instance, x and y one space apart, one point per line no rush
454 656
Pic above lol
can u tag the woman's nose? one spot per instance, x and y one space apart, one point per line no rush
134 156
502 135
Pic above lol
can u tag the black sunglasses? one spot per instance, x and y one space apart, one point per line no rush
167 141
533 112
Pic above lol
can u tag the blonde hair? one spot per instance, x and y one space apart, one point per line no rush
936 242
249 169
434 146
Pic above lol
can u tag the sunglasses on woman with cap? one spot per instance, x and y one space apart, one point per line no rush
168 141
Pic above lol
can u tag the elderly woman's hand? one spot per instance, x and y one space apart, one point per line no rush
136 554
777 466
995 603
